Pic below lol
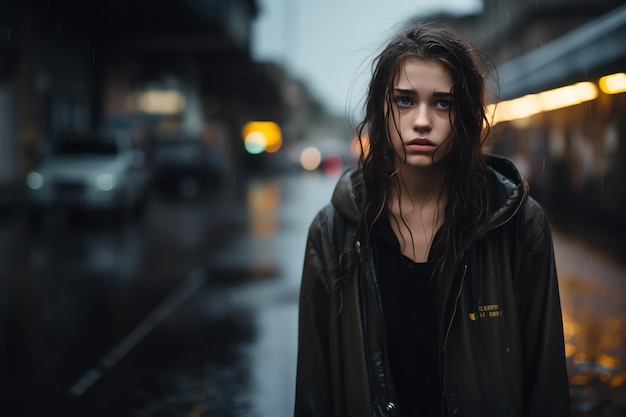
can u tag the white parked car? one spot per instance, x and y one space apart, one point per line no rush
95 171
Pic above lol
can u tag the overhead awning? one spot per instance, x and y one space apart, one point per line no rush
596 47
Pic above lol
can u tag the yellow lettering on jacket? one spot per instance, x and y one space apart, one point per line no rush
486 311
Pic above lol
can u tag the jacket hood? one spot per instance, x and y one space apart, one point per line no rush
348 194
508 190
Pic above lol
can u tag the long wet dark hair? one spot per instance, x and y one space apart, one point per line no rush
463 169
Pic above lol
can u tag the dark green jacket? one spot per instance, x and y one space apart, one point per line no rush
501 333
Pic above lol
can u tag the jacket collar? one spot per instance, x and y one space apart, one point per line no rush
508 189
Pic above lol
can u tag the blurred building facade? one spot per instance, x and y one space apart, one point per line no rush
159 67
573 154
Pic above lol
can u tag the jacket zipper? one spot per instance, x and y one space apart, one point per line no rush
456 300
445 340
387 408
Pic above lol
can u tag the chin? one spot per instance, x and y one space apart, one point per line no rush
420 161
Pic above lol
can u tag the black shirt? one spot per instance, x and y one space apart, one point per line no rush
411 324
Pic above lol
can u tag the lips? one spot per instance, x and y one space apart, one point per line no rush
420 145
420 141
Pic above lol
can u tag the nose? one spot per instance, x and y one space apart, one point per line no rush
422 120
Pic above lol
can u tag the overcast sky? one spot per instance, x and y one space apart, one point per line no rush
329 44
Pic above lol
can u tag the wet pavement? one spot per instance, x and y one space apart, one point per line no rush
593 290
192 310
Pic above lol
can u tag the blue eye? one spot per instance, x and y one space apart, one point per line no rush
403 101
442 104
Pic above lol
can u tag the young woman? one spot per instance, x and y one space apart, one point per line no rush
429 285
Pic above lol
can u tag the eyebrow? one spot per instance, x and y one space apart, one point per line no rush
438 94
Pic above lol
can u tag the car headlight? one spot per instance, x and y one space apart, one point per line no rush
106 182
34 180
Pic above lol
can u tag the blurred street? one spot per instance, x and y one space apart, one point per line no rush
192 309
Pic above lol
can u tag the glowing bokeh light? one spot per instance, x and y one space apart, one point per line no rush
161 102
255 143
310 158
332 165
532 104
613 84
272 136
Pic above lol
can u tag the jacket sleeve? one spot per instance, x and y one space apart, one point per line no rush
545 373
313 379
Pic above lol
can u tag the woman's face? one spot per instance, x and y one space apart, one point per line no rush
421 106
